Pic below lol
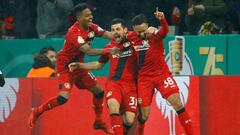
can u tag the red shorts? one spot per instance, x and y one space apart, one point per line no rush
124 92
82 79
165 84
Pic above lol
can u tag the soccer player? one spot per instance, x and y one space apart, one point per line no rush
2 80
153 70
78 41
121 85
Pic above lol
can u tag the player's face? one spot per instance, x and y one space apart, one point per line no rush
51 56
118 32
85 18
141 30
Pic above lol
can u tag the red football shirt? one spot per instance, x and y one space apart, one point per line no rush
122 66
76 37
150 52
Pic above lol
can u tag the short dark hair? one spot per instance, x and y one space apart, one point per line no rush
44 50
139 19
118 20
80 7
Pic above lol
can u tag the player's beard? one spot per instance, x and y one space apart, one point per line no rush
119 38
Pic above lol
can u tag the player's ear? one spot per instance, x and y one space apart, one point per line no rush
79 17
147 24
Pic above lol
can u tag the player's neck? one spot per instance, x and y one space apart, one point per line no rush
84 28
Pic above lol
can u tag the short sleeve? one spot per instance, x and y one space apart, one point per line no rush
76 39
98 30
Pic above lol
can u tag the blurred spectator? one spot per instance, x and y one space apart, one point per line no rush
44 63
18 18
201 11
209 28
52 20
179 9
7 11
25 19
233 15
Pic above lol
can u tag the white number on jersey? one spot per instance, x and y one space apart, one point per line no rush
169 82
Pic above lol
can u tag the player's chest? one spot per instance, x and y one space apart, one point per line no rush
87 36
126 51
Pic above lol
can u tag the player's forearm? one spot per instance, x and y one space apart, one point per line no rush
164 29
94 51
90 66
108 35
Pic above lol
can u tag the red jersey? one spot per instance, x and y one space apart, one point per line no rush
122 66
76 37
150 52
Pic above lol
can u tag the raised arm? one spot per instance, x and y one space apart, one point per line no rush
163 31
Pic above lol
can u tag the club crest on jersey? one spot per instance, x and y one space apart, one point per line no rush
145 43
80 40
91 34
109 94
127 44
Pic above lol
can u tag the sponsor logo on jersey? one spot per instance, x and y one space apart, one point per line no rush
144 46
123 54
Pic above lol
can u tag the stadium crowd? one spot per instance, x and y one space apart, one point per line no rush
52 18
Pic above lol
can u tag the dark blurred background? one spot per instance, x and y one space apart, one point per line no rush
51 18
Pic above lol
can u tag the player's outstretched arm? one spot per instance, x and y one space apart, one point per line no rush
107 35
164 29
86 66
93 51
